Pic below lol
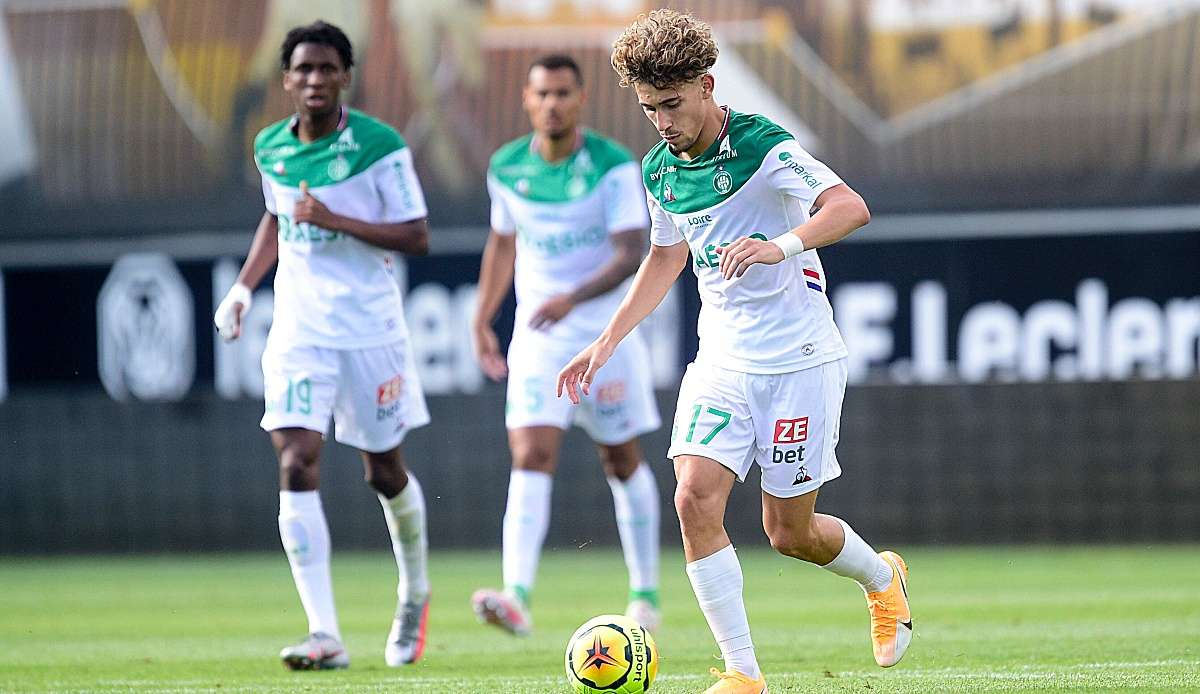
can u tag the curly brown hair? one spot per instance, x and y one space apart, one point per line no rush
663 49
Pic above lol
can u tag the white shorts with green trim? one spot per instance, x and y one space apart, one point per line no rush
621 405
372 394
787 423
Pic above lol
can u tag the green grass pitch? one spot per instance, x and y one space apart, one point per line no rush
1084 619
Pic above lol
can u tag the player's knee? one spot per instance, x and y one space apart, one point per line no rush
793 541
298 466
618 462
385 474
298 455
696 507
533 458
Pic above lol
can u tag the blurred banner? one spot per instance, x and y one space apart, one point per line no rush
1065 308
146 108
142 328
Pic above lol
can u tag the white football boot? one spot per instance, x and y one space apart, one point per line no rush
318 651
645 613
406 642
502 609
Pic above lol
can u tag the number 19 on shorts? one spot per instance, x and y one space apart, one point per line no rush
297 398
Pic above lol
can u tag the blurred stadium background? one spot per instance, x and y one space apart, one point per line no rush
1023 312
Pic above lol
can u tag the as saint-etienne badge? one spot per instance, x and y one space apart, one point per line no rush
338 168
722 181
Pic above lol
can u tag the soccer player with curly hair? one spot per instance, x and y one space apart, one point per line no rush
751 207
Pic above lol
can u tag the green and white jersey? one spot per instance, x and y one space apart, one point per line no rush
332 290
563 213
754 180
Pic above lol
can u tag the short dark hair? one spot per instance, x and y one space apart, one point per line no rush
320 33
559 61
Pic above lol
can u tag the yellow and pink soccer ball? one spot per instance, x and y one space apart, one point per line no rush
611 654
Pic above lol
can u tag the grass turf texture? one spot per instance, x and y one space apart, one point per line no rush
996 619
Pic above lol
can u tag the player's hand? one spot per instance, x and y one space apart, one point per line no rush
578 373
487 353
228 316
555 309
738 256
309 210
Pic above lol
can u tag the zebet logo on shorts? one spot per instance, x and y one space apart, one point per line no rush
789 433
387 397
610 399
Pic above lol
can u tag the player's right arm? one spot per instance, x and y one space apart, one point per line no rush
264 252
495 278
654 278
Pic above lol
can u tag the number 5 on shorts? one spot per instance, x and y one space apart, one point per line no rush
724 417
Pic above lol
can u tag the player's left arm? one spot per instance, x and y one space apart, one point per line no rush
835 211
838 211
410 237
628 246
401 222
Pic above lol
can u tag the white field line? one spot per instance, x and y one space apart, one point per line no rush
1008 673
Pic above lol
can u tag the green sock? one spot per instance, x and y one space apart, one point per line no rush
650 596
522 594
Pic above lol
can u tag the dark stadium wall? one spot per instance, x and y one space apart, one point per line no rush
1005 463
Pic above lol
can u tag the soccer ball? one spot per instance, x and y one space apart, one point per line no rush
611 653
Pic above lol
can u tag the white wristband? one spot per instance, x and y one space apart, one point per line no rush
223 318
789 243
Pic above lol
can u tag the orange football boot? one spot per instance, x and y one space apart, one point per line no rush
733 682
891 619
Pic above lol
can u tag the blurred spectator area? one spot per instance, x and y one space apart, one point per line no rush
145 110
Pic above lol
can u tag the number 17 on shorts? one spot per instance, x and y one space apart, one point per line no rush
786 423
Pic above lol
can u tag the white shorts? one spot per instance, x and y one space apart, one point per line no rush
621 405
373 394
787 423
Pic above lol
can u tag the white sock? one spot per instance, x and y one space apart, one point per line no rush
405 516
305 536
636 504
717 582
858 561
526 519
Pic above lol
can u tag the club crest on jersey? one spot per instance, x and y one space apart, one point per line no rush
668 194
722 181
338 169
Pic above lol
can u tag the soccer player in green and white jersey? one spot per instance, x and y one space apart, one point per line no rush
739 193
340 193
568 208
